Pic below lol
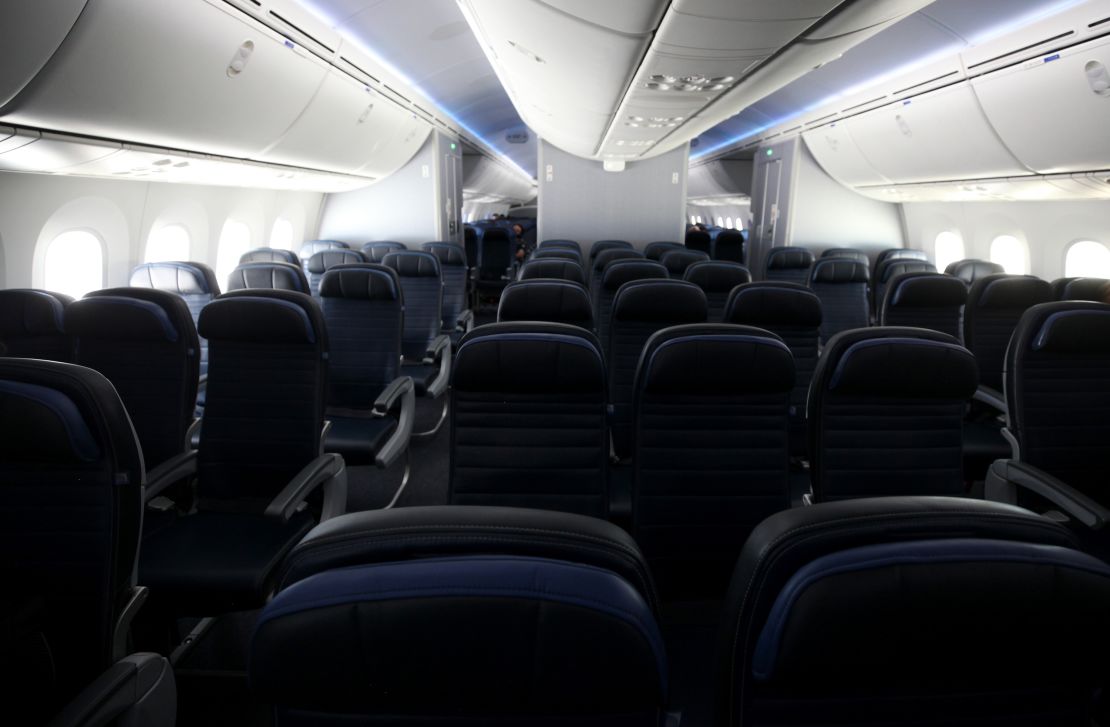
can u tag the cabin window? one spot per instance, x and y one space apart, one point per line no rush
1011 254
693 220
699 219
728 222
948 248
281 237
234 241
1087 259
720 222
167 243
74 263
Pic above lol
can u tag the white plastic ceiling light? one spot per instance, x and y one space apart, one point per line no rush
688 84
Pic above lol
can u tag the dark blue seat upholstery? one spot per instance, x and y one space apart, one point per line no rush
375 251
971 270
324 260
71 476
32 324
729 245
470 245
887 271
528 419
656 250
145 342
496 253
601 261
886 411
462 616
841 284
603 245
553 301
847 253
553 269
258 458
563 244
711 450
457 315
311 247
699 241
788 264
616 274
640 308
427 352
676 261
717 278
269 276
194 282
269 255
906 611
1092 289
924 300
1059 286
558 253
900 253
793 313
995 304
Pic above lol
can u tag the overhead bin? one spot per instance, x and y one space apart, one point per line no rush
483 177
836 151
30 33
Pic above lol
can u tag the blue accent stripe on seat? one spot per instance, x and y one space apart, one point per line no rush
309 331
529 337
153 309
81 440
873 342
1041 339
718 338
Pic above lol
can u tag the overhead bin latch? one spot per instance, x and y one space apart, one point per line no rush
239 60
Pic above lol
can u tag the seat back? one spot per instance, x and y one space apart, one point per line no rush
886 411
496 254
717 278
528 419
1092 289
362 308
144 342
924 300
470 244
699 241
561 244
311 247
195 282
847 253
905 611
602 245
323 261
1059 285
422 291
558 253
554 269
269 255
553 301
676 261
375 251
788 264
971 270
656 250
841 284
889 269
900 253
995 304
711 401
452 266
32 325
1058 392
729 245
268 276
615 275
266 377
71 474
640 308
605 258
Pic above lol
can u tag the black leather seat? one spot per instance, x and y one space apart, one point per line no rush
553 301
268 276
698 241
376 251
1092 289
462 616
717 278
470 244
615 275
71 479
924 300
145 342
603 260
841 284
32 324
324 260
311 247
971 270
457 315
269 255
1059 285
640 308
886 410
427 352
793 313
888 270
711 450
900 253
788 264
847 253
910 611
558 253
528 419
553 269
564 244
676 261
258 460
601 246
656 250
195 282
495 261
995 304
369 404
729 245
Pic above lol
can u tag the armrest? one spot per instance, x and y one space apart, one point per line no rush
439 352
991 397
1006 475
173 470
399 394
140 686
327 470
465 322
435 349
122 630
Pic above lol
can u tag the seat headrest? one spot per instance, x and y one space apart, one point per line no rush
529 357
605 257
623 271
448 253
1094 289
699 238
311 247
130 314
603 245
715 359
927 290
375 251
1068 327
61 436
495 234
656 250
971 270
848 253
678 260
1002 291
413 264
663 301
268 276
717 276
185 278
325 259
730 237
32 312
269 255
839 270
902 253
558 301
899 362
552 268
263 316
774 304
568 244
888 269
360 281
789 258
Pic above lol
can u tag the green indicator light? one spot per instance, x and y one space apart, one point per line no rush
770 152
452 146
